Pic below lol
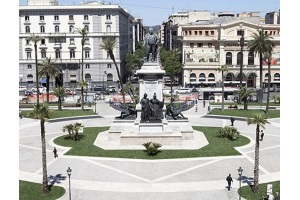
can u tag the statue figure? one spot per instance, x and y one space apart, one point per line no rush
130 112
146 110
156 108
151 40
175 113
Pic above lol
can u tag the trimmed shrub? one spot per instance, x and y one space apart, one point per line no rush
152 148
229 132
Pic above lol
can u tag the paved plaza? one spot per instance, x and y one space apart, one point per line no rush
95 178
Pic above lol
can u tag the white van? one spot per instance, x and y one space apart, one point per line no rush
22 88
183 91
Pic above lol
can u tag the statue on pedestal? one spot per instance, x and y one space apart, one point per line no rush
156 108
146 110
151 40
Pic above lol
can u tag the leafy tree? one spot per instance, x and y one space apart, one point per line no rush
35 39
83 32
223 69
42 113
133 63
276 98
109 44
59 92
259 120
260 44
133 92
245 95
50 70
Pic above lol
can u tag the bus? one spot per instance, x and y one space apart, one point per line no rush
209 93
215 84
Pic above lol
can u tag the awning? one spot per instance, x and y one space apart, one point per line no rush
44 80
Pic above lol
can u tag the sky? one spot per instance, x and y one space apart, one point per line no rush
154 12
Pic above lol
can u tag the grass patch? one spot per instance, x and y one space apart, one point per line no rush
248 194
216 147
33 191
249 104
245 113
64 113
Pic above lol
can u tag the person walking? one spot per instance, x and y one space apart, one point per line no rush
55 153
229 181
232 120
261 135
203 104
20 114
196 108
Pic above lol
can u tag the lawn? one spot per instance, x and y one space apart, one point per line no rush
245 113
249 195
64 113
33 191
216 147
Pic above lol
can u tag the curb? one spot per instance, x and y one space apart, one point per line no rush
74 118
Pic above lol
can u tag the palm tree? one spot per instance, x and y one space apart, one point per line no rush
223 69
50 70
260 44
59 92
109 44
245 95
35 39
83 84
42 113
83 32
259 120
268 55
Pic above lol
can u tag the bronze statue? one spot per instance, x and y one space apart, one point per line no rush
175 113
156 108
151 40
146 110
130 112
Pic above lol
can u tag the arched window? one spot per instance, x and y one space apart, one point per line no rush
266 77
43 53
29 77
56 29
86 28
71 29
72 53
42 29
211 77
27 29
228 58
239 58
192 77
276 77
229 77
108 28
251 58
202 77
87 77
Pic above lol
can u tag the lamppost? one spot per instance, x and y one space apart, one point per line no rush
69 170
103 78
240 172
242 43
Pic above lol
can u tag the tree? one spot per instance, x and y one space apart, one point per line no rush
73 130
172 65
50 70
83 32
133 92
42 113
133 62
59 92
260 44
259 120
35 39
223 69
83 84
109 44
245 95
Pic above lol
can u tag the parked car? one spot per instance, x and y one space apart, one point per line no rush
41 89
68 91
28 92
22 88
182 91
111 88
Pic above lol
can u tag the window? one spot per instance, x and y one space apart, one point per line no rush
86 17
107 17
72 53
43 41
228 58
199 44
56 29
86 28
200 32
72 41
239 58
26 18
71 29
206 33
212 33
27 29
29 67
71 17
108 65
108 56
28 55
87 54
87 66
192 45
209 45
43 53
87 41
42 18
57 54
108 29
42 29
27 42
185 32
251 58
196 32
240 32
190 32
56 17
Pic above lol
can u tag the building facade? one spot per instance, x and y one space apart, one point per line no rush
208 44
57 26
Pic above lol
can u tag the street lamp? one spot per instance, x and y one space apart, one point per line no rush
69 170
240 172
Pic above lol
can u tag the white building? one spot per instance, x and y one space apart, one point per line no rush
57 26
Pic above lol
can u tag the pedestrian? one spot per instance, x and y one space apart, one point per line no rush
271 197
203 104
20 114
196 101
232 120
261 135
229 181
55 153
277 196
196 108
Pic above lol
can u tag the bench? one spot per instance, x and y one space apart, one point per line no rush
231 106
